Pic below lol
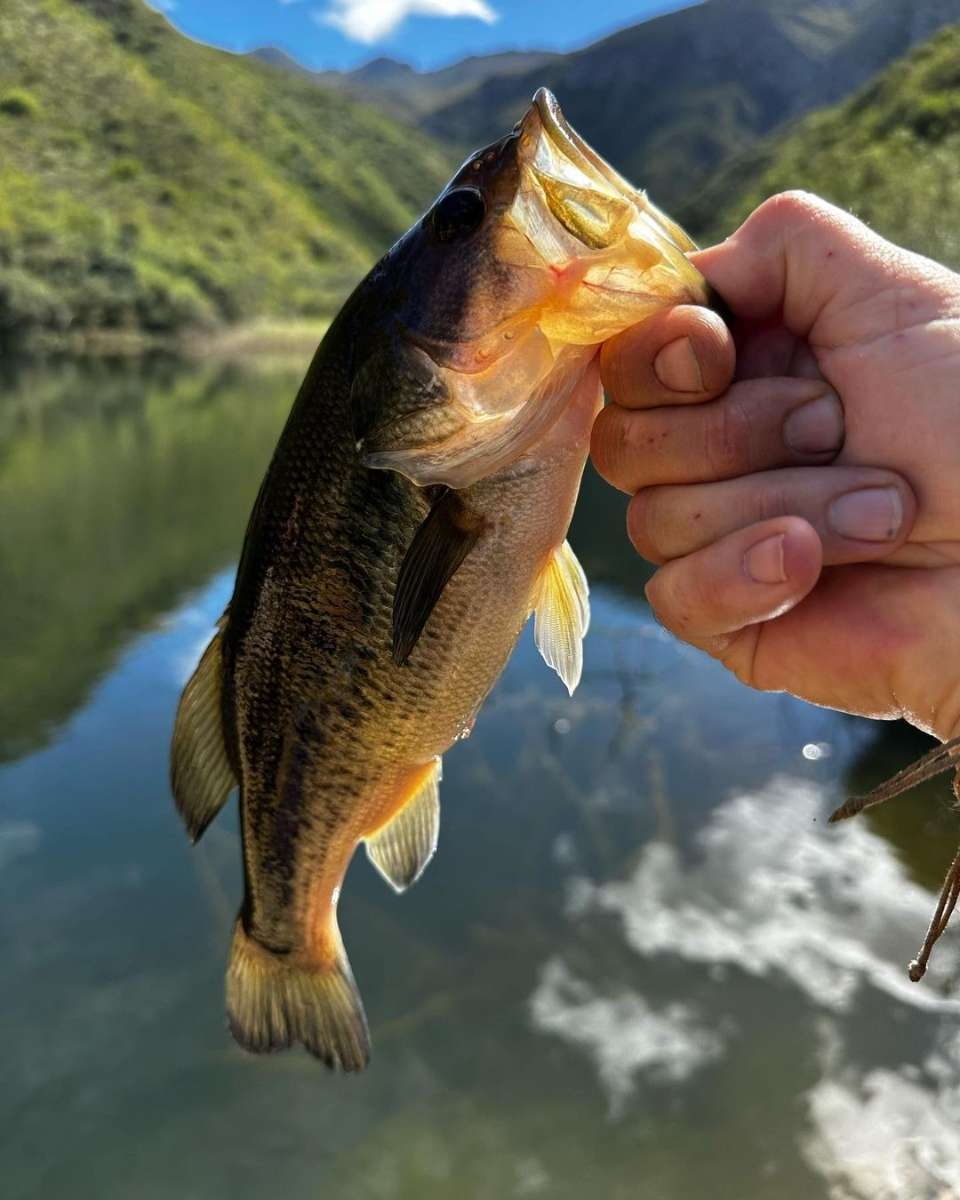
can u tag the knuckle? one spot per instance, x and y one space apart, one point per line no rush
769 501
683 599
644 523
611 368
727 438
615 450
794 206
739 655
604 438
667 604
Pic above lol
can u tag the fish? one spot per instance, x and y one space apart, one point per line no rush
413 517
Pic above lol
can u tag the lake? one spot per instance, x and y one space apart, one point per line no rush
640 966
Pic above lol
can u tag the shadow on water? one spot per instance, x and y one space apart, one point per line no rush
120 488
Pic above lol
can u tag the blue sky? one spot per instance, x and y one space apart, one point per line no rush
427 33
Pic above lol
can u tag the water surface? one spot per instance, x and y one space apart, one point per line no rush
640 965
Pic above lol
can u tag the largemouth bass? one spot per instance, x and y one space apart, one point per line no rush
414 515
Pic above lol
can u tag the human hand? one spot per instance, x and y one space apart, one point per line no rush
804 504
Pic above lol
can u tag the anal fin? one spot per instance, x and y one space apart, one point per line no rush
562 607
200 772
401 849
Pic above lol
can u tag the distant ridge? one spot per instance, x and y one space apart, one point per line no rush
412 94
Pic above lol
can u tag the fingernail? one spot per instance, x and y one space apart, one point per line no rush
677 368
869 515
763 562
815 427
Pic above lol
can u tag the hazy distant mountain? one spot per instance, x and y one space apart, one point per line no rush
413 94
670 99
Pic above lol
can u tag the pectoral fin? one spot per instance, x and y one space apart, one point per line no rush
402 848
438 549
562 615
200 772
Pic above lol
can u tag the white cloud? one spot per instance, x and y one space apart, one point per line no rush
369 21
773 893
622 1033
882 1135
17 838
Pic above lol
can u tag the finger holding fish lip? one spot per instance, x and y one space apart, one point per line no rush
681 355
755 426
860 513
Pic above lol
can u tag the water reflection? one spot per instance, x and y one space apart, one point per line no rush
640 964
922 825
119 488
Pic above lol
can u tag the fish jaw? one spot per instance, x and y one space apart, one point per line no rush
614 256
588 256
491 443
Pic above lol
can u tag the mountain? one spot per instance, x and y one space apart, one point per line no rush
414 95
670 99
151 183
891 154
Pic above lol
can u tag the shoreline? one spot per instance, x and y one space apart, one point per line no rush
264 337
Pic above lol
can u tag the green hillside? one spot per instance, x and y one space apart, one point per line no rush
150 183
891 154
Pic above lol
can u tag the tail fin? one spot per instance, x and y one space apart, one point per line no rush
274 1002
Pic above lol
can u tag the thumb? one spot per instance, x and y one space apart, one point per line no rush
833 280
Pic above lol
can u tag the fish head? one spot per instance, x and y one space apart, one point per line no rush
535 253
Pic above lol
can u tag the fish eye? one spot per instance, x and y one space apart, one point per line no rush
458 213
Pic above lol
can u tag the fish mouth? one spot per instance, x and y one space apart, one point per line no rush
545 113
601 257
589 198
593 205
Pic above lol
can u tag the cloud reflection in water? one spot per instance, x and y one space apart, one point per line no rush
774 893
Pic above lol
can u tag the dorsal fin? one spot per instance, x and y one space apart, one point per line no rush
562 608
448 534
402 848
200 772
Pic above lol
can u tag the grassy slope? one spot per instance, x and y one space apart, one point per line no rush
891 154
147 181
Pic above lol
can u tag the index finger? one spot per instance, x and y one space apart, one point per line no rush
681 355
830 278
